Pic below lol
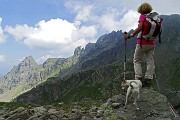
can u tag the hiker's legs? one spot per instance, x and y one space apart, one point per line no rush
138 55
150 63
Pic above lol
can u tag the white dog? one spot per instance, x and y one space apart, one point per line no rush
133 88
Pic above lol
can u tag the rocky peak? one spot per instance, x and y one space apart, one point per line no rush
78 50
28 62
24 73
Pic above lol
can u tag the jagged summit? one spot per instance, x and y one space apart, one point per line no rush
28 62
78 50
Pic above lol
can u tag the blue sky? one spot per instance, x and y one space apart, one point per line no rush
54 28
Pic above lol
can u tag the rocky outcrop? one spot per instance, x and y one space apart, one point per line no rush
78 51
153 106
174 98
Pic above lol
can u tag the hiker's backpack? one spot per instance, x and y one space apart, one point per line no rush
151 27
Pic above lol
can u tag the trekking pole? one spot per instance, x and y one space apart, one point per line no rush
169 104
157 82
125 57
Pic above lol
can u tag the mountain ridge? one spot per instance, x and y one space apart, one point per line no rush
28 74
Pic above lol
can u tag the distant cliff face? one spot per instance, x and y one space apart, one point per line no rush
28 74
106 50
25 71
79 50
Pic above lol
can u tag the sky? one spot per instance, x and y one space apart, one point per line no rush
54 28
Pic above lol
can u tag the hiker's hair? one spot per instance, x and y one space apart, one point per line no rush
144 8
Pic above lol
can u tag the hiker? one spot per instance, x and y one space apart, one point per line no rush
143 47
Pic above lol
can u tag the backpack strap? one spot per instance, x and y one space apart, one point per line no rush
160 36
160 31
142 34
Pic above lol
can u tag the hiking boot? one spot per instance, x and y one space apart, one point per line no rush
146 83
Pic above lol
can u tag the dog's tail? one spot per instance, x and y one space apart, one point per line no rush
131 85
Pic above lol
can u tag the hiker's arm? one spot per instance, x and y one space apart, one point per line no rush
136 31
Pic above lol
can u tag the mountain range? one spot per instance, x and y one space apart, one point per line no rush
28 74
94 73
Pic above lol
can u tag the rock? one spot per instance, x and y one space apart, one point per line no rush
174 98
74 110
61 103
40 110
78 51
116 105
86 118
115 101
83 111
75 114
109 102
100 113
153 106
3 111
53 111
19 113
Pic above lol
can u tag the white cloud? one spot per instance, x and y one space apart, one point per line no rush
51 34
56 35
129 21
20 32
45 35
116 14
165 7
106 20
84 13
110 21
84 32
2 36
2 58
82 9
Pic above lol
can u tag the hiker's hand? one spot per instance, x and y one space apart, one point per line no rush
126 36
